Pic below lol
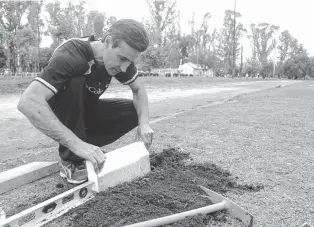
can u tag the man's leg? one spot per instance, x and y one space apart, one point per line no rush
109 120
68 106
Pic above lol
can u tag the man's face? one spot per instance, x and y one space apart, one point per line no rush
119 58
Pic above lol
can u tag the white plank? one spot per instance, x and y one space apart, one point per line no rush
25 174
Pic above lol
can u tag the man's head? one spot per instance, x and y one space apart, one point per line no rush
124 42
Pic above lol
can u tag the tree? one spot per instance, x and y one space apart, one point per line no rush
65 23
110 21
56 21
45 55
200 37
262 40
171 48
311 67
36 24
252 67
200 40
163 13
3 57
34 19
3 46
26 48
168 55
298 67
80 17
164 35
186 46
95 24
241 61
204 31
11 22
226 39
153 57
287 47
214 44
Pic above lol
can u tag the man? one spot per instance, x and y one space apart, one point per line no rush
63 102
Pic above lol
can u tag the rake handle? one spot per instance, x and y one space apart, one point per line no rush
179 216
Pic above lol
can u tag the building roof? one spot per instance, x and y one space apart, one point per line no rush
194 66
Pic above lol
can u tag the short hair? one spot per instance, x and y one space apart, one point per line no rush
129 31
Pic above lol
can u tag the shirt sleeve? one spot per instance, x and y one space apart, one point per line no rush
58 72
129 76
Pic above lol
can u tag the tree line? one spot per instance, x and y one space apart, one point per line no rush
24 23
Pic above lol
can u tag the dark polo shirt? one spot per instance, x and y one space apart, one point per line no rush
75 58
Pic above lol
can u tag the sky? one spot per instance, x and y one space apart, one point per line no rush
295 16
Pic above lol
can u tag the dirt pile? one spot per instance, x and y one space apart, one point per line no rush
171 187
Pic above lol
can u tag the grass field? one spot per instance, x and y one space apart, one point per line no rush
263 138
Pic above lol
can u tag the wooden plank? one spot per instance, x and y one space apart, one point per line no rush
25 174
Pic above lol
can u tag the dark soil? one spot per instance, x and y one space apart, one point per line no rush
171 187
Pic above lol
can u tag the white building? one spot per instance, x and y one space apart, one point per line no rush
190 68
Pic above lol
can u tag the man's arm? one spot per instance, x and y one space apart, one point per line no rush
140 101
33 104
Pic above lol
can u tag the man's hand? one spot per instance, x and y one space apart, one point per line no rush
146 133
91 153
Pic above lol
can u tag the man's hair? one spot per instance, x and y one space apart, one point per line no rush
129 31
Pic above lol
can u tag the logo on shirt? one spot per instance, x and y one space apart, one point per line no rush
96 91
